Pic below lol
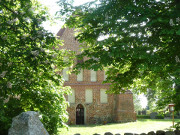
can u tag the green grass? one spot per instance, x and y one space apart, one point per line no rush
141 126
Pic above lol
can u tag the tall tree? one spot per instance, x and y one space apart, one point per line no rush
138 40
152 98
28 57
137 103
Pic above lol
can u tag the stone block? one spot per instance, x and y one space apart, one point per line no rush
160 132
108 133
128 133
169 133
177 132
27 123
151 133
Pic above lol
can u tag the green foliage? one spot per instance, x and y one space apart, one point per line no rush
151 98
30 62
159 116
177 126
167 97
137 41
8 111
137 103
143 117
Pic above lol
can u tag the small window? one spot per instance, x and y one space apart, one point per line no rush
80 76
103 96
105 76
88 96
65 74
71 97
93 76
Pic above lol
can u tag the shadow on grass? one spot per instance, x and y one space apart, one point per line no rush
138 120
91 125
99 125
158 120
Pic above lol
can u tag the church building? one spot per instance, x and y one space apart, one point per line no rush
89 103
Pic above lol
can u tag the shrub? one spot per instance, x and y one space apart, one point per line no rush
159 116
143 116
10 110
167 114
177 126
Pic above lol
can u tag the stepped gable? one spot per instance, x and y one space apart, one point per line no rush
68 37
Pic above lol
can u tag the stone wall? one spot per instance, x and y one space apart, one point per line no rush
159 132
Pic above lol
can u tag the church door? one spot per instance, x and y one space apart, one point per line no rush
79 114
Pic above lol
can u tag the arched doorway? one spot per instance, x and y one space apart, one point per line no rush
79 114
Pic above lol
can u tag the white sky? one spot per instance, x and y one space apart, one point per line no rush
143 100
53 8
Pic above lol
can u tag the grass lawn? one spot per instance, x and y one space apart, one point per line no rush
141 126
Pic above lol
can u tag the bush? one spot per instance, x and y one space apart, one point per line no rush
8 111
50 104
143 116
177 126
160 116
167 114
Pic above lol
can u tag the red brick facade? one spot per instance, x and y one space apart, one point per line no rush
119 108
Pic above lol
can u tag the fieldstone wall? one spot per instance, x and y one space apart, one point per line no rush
159 132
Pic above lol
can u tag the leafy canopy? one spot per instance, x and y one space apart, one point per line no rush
137 41
29 61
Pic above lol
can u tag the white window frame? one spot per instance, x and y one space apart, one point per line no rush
80 76
71 96
88 96
103 96
105 76
65 74
93 76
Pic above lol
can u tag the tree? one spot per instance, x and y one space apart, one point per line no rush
29 61
169 97
138 41
137 103
152 98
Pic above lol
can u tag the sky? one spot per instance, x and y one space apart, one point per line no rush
53 8
143 100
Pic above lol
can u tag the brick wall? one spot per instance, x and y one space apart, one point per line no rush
119 108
